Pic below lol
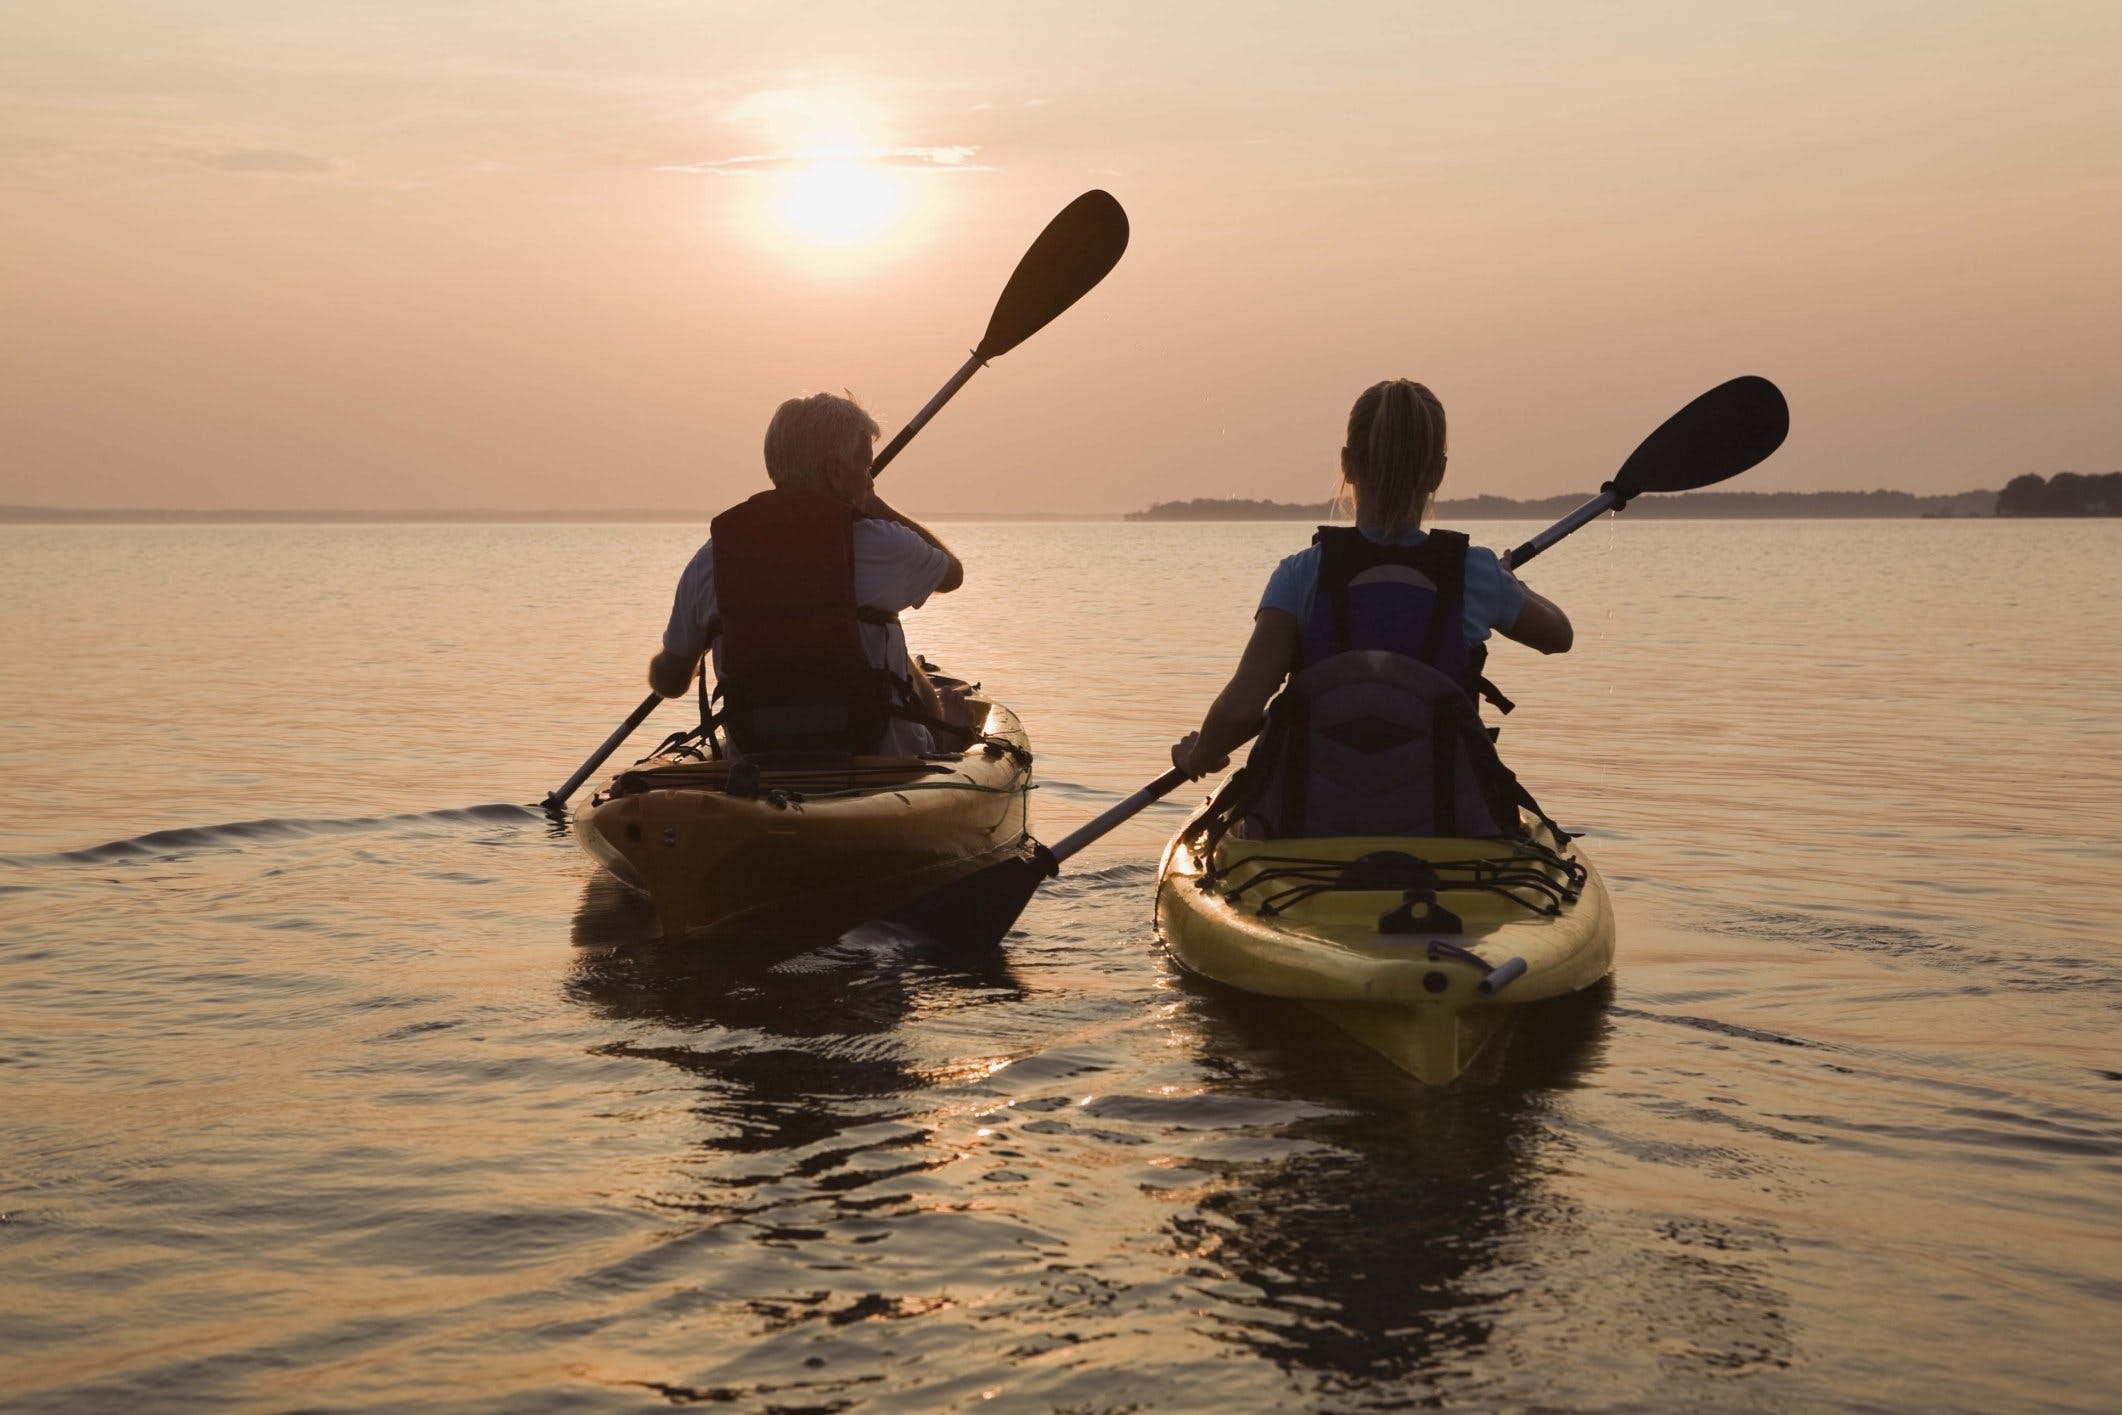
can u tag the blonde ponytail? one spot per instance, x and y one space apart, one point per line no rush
1396 452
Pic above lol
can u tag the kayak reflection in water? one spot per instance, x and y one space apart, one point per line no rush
1384 584
798 592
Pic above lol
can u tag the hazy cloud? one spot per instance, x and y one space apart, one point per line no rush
951 159
266 159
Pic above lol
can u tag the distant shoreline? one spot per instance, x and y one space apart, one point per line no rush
1699 505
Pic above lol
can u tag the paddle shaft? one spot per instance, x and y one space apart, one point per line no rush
920 420
1084 834
1688 451
1164 785
639 715
1576 520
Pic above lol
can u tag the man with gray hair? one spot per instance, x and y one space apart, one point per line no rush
798 593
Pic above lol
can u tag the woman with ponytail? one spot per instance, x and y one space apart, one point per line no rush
1385 584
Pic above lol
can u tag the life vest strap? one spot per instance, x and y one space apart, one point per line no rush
1439 639
1448 573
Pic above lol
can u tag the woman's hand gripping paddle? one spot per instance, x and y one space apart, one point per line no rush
1075 251
1732 427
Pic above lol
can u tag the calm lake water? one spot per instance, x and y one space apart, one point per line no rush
336 1079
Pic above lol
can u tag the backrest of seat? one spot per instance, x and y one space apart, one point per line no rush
1376 743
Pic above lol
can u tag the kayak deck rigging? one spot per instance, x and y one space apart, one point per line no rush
1553 879
1422 948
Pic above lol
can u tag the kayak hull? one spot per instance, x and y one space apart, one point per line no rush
819 847
1431 995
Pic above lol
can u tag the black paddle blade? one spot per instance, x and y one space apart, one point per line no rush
1728 429
979 910
1072 254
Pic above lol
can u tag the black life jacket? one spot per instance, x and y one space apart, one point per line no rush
1405 599
793 674
1377 732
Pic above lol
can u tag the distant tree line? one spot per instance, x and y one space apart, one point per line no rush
2064 494
1230 508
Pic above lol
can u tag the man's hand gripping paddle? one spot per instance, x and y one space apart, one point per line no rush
1074 252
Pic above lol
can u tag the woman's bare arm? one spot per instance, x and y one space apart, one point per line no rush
1234 718
1541 625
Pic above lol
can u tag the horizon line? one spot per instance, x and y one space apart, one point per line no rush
27 514
34 515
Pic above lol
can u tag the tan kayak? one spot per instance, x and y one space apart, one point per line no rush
813 847
1420 948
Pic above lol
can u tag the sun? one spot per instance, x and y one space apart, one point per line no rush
839 203
836 189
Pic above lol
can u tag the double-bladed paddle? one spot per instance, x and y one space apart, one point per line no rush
1074 252
1732 427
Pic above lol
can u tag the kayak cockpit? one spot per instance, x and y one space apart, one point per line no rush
796 847
696 761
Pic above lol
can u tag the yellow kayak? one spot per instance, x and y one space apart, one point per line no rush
804 849
1420 948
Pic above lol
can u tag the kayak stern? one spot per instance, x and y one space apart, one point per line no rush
1303 920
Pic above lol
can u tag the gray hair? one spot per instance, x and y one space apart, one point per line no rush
807 434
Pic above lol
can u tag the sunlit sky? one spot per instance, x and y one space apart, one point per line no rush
570 255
